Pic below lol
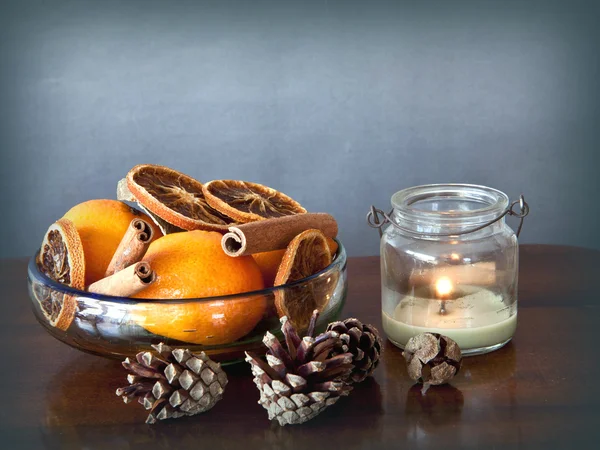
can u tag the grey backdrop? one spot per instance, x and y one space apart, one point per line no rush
338 104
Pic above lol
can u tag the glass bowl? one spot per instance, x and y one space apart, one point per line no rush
112 326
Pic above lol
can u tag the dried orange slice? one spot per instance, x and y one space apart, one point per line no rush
249 202
269 262
307 254
61 258
175 198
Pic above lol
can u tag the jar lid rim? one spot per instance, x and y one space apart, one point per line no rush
403 200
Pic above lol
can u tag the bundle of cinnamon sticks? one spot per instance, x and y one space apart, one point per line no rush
127 274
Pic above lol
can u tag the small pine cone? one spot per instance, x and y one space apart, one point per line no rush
432 359
299 382
364 342
172 383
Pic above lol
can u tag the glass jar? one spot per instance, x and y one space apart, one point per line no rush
447 267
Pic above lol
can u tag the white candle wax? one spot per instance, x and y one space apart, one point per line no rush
477 319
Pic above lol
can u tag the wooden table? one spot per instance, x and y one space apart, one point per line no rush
541 390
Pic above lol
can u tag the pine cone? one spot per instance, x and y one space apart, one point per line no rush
432 359
173 383
298 383
363 341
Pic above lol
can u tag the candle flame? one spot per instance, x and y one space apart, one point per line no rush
444 286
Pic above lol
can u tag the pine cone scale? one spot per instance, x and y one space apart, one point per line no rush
208 376
215 389
300 400
197 392
178 397
140 370
296 382
147 401
160 389
323 348
172 373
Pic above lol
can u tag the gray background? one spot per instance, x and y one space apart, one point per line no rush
338 104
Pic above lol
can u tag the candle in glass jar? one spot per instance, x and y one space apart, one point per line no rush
472 316
455 231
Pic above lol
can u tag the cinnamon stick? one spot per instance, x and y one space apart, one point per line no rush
126 282
132 247
274 234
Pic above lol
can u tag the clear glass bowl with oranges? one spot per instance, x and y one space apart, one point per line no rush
222 326
113 277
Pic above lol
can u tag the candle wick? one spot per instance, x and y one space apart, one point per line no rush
443 307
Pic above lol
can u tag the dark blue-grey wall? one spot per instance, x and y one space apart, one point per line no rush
337 103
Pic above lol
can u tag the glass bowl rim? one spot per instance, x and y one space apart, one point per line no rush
339 262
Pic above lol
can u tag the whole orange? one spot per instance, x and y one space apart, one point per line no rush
269 262
192 264
101 225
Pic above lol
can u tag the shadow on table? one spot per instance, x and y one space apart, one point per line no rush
440 407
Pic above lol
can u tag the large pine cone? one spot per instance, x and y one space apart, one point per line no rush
173 382
363 341
298 383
